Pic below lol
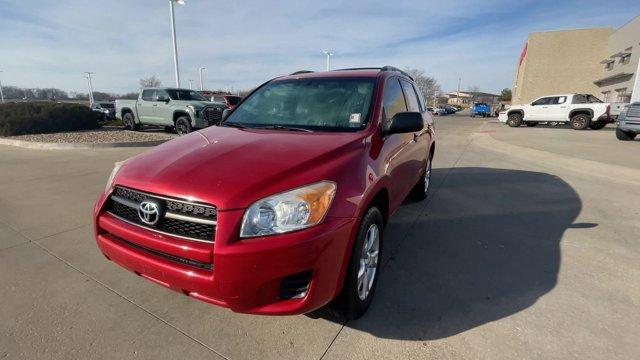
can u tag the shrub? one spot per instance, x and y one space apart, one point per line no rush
44 117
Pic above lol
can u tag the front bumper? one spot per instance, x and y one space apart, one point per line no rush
243 275
631 125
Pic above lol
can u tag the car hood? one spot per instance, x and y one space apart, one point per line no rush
232 168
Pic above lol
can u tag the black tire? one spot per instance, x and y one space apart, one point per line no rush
349 305
169 129
130 122
421 190
580 121
531 123
625 135
183 125
597 125
514 120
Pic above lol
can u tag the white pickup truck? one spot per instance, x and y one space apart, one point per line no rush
581 111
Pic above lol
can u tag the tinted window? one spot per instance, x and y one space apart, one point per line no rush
420 98
392 100
233 100
543 101
410 96
329 104
160 93
559 100
147 95
179 94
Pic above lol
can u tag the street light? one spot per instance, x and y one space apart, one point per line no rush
1 94
89 73
173 39
190 84
201 85
329 55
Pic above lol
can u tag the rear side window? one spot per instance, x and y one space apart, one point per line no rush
392 100
559 100
410 96
147 95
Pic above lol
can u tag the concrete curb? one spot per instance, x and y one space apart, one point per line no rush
71 146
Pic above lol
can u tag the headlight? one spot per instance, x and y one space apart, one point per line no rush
289 211
192 108
114 172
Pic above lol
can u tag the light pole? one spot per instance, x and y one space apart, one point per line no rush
458 94
201 84
190 84
329 55
173 39
1 94
89 73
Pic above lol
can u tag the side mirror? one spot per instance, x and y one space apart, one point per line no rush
225 113
163 98
406 122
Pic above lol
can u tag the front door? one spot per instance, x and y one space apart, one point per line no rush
539 109
146 105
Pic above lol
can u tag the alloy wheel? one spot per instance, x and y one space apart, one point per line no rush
368 261
427 176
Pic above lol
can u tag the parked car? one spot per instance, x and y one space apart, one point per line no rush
281 208
182 109
439 111
628 122
230 100
481 109
104 110
581 111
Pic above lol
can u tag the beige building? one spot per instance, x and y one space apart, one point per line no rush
620 66
469 97
598 61
555 62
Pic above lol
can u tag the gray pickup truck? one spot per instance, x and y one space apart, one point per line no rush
171 108
628 122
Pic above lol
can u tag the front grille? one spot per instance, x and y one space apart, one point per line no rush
634 111
177 259
213 115
180 218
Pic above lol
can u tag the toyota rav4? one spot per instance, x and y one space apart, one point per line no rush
281 208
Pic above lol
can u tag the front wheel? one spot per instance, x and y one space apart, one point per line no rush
130 122
625 135
183 125
364 268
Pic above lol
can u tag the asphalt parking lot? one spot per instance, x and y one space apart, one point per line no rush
527 248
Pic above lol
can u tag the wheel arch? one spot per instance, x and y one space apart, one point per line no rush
516 111
179 113
586 111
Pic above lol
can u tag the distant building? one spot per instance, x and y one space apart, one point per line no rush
599 61
469 97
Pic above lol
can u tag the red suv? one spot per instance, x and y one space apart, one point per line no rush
281 208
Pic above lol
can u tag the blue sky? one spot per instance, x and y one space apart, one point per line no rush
47 43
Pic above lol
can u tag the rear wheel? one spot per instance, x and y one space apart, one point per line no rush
625 135
514 120
183 125
129 122
580 121
597 125
364 268
531 123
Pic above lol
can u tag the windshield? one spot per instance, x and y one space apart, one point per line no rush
175 94
329 104
233 100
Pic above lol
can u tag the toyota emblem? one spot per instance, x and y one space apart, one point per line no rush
149 212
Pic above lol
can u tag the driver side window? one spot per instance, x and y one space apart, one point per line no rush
392 101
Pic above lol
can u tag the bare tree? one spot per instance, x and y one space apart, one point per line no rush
152 81
428 85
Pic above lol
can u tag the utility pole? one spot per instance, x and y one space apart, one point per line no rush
89 73
1 94
329 55
458 93
201 83
173 39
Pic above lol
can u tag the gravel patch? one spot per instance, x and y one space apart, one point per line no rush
108 135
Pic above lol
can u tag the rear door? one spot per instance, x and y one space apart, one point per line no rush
419 147
145 106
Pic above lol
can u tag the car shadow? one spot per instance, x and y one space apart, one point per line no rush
486 245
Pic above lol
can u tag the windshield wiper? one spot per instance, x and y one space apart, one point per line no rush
283 127
233 124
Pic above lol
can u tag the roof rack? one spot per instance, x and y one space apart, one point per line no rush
384 68
301 72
